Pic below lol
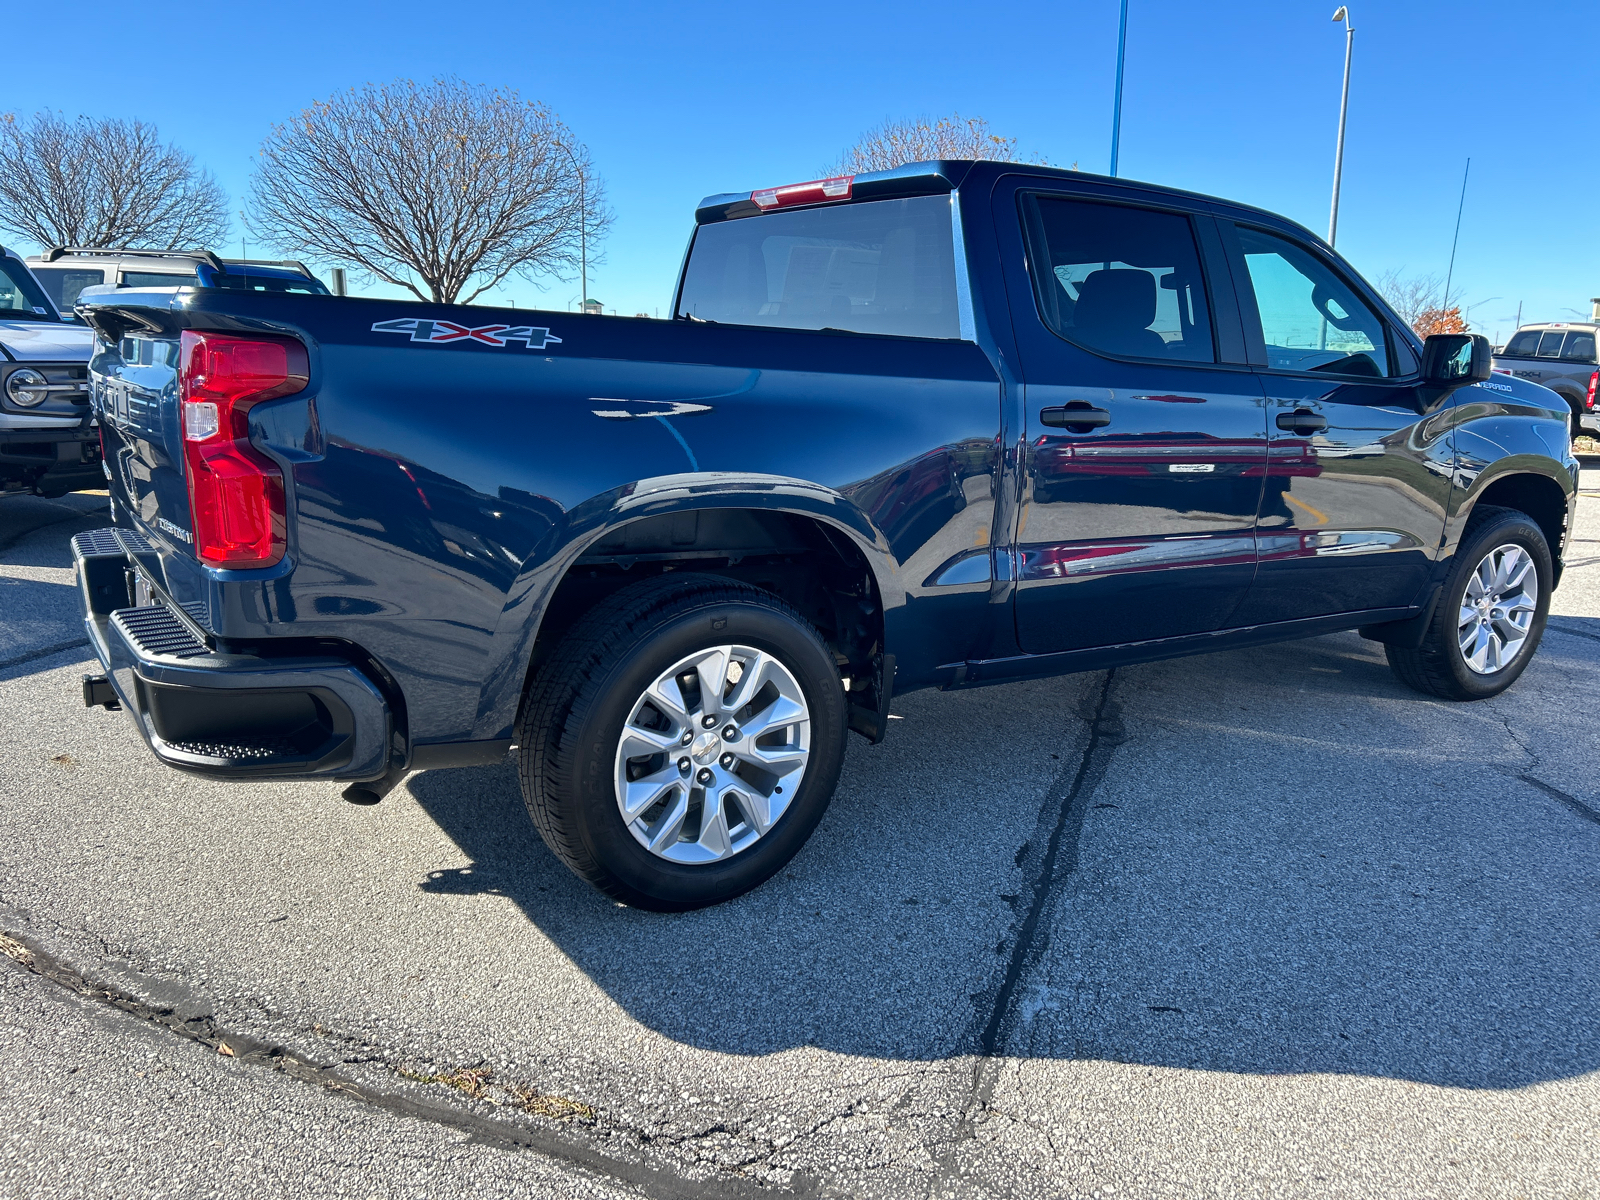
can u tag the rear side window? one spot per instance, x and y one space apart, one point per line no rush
1579 347
158 279
64 284
1119 280
1550 343
882 266
1524 344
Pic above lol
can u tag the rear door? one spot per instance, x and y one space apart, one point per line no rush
1359 466
1145 443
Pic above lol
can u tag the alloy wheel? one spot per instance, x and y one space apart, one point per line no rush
712 754
1497 609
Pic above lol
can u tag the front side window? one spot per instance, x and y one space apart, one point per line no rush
20 295
1311 320
1579 347
880 266
1119 280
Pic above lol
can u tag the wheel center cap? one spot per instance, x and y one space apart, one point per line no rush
705 748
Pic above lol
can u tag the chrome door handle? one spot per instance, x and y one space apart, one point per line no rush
1077 417
1302 420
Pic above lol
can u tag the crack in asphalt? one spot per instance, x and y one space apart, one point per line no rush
28 954
1555 793
46 652
1593 637
1049 859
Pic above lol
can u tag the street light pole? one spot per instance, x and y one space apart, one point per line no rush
1344 106
583 227
1116 112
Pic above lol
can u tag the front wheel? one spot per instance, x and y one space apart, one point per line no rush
683 741
1491 614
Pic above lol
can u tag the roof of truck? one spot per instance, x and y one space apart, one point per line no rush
935 177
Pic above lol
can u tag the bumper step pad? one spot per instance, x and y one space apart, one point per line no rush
157 632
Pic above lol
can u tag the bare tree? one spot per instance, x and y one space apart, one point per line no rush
1419 300
103 183
430 188
895 143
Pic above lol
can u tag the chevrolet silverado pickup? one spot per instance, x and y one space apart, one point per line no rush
942 426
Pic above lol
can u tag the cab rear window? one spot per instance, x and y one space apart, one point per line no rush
881 266
1550 344
1579 347
1523 344
158 279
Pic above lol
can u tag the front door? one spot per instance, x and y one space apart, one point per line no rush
1358 474
1145 430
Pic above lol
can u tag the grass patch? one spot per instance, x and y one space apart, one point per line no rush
479 1083
15 950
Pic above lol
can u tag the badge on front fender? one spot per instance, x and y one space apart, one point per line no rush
437 333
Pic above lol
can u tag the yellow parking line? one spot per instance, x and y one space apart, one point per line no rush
1321 517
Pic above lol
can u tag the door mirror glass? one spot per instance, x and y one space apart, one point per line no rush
1454 358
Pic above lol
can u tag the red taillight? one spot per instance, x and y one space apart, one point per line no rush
236 508
816 191
1594 384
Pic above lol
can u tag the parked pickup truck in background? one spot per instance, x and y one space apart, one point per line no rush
936 427
1559 355
47 444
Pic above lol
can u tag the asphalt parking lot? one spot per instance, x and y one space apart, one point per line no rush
1259 923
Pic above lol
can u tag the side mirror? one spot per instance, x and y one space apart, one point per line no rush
1450 359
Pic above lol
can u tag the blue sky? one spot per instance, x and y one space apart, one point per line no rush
677 102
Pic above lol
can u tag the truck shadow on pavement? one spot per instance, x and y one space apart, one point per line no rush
1291 865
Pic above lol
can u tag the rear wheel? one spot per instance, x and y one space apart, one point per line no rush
683 741
1491 614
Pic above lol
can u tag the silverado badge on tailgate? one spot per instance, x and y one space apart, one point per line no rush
533 337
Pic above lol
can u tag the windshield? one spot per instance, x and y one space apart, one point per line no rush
885 266
21 297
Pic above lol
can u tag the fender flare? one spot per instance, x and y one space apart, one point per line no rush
1534 466
529 596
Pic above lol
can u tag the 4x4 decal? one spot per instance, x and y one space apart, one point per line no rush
434 333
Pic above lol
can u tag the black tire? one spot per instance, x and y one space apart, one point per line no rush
1438 667
573 717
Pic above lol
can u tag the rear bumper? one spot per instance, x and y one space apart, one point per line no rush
237 716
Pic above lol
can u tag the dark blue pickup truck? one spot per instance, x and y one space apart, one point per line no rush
936 427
